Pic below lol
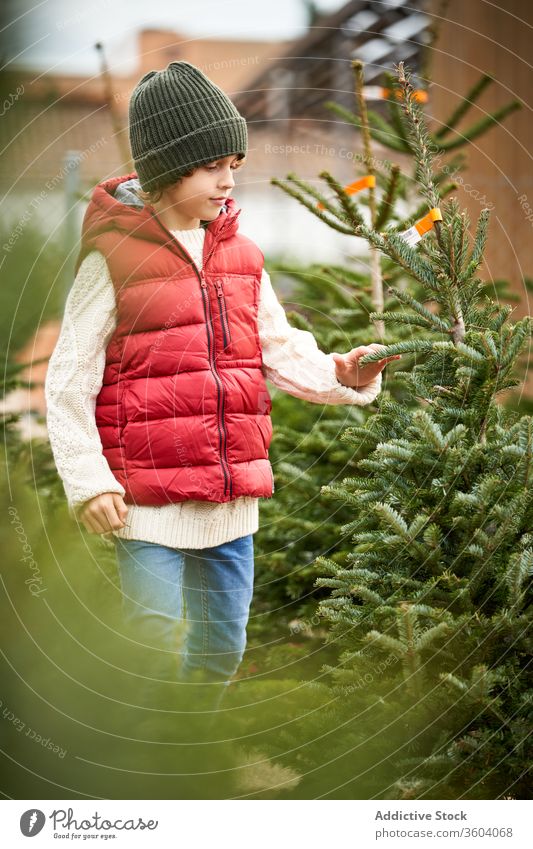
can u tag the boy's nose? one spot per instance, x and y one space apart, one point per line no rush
227 181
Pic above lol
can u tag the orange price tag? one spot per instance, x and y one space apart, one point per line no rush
413 234
376 92
367 182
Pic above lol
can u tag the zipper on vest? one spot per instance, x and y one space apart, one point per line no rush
223 313
221 392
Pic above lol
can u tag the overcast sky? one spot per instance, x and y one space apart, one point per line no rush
59 35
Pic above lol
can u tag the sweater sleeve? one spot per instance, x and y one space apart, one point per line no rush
73 380
293 362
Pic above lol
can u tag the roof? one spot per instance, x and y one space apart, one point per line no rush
318 64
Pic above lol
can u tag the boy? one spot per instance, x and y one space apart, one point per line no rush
158 410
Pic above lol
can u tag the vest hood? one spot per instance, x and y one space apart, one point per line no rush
114 205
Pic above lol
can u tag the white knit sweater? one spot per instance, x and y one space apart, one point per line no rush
292 361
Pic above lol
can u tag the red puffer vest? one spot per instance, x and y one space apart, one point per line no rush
184 410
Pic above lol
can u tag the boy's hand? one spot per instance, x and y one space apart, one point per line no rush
350 374
104 513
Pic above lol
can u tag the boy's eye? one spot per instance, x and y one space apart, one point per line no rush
214 167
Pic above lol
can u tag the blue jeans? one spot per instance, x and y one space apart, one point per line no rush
205 591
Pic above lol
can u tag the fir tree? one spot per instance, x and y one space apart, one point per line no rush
308 450
437 588
429 612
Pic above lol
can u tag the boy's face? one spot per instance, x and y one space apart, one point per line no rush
201 195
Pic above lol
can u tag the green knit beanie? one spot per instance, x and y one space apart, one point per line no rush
179 119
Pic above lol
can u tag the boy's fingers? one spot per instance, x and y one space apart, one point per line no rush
344 362
389 359
91 523
86 525
120 505
102 517
340 362
363 350
112 519
377 347
83 516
